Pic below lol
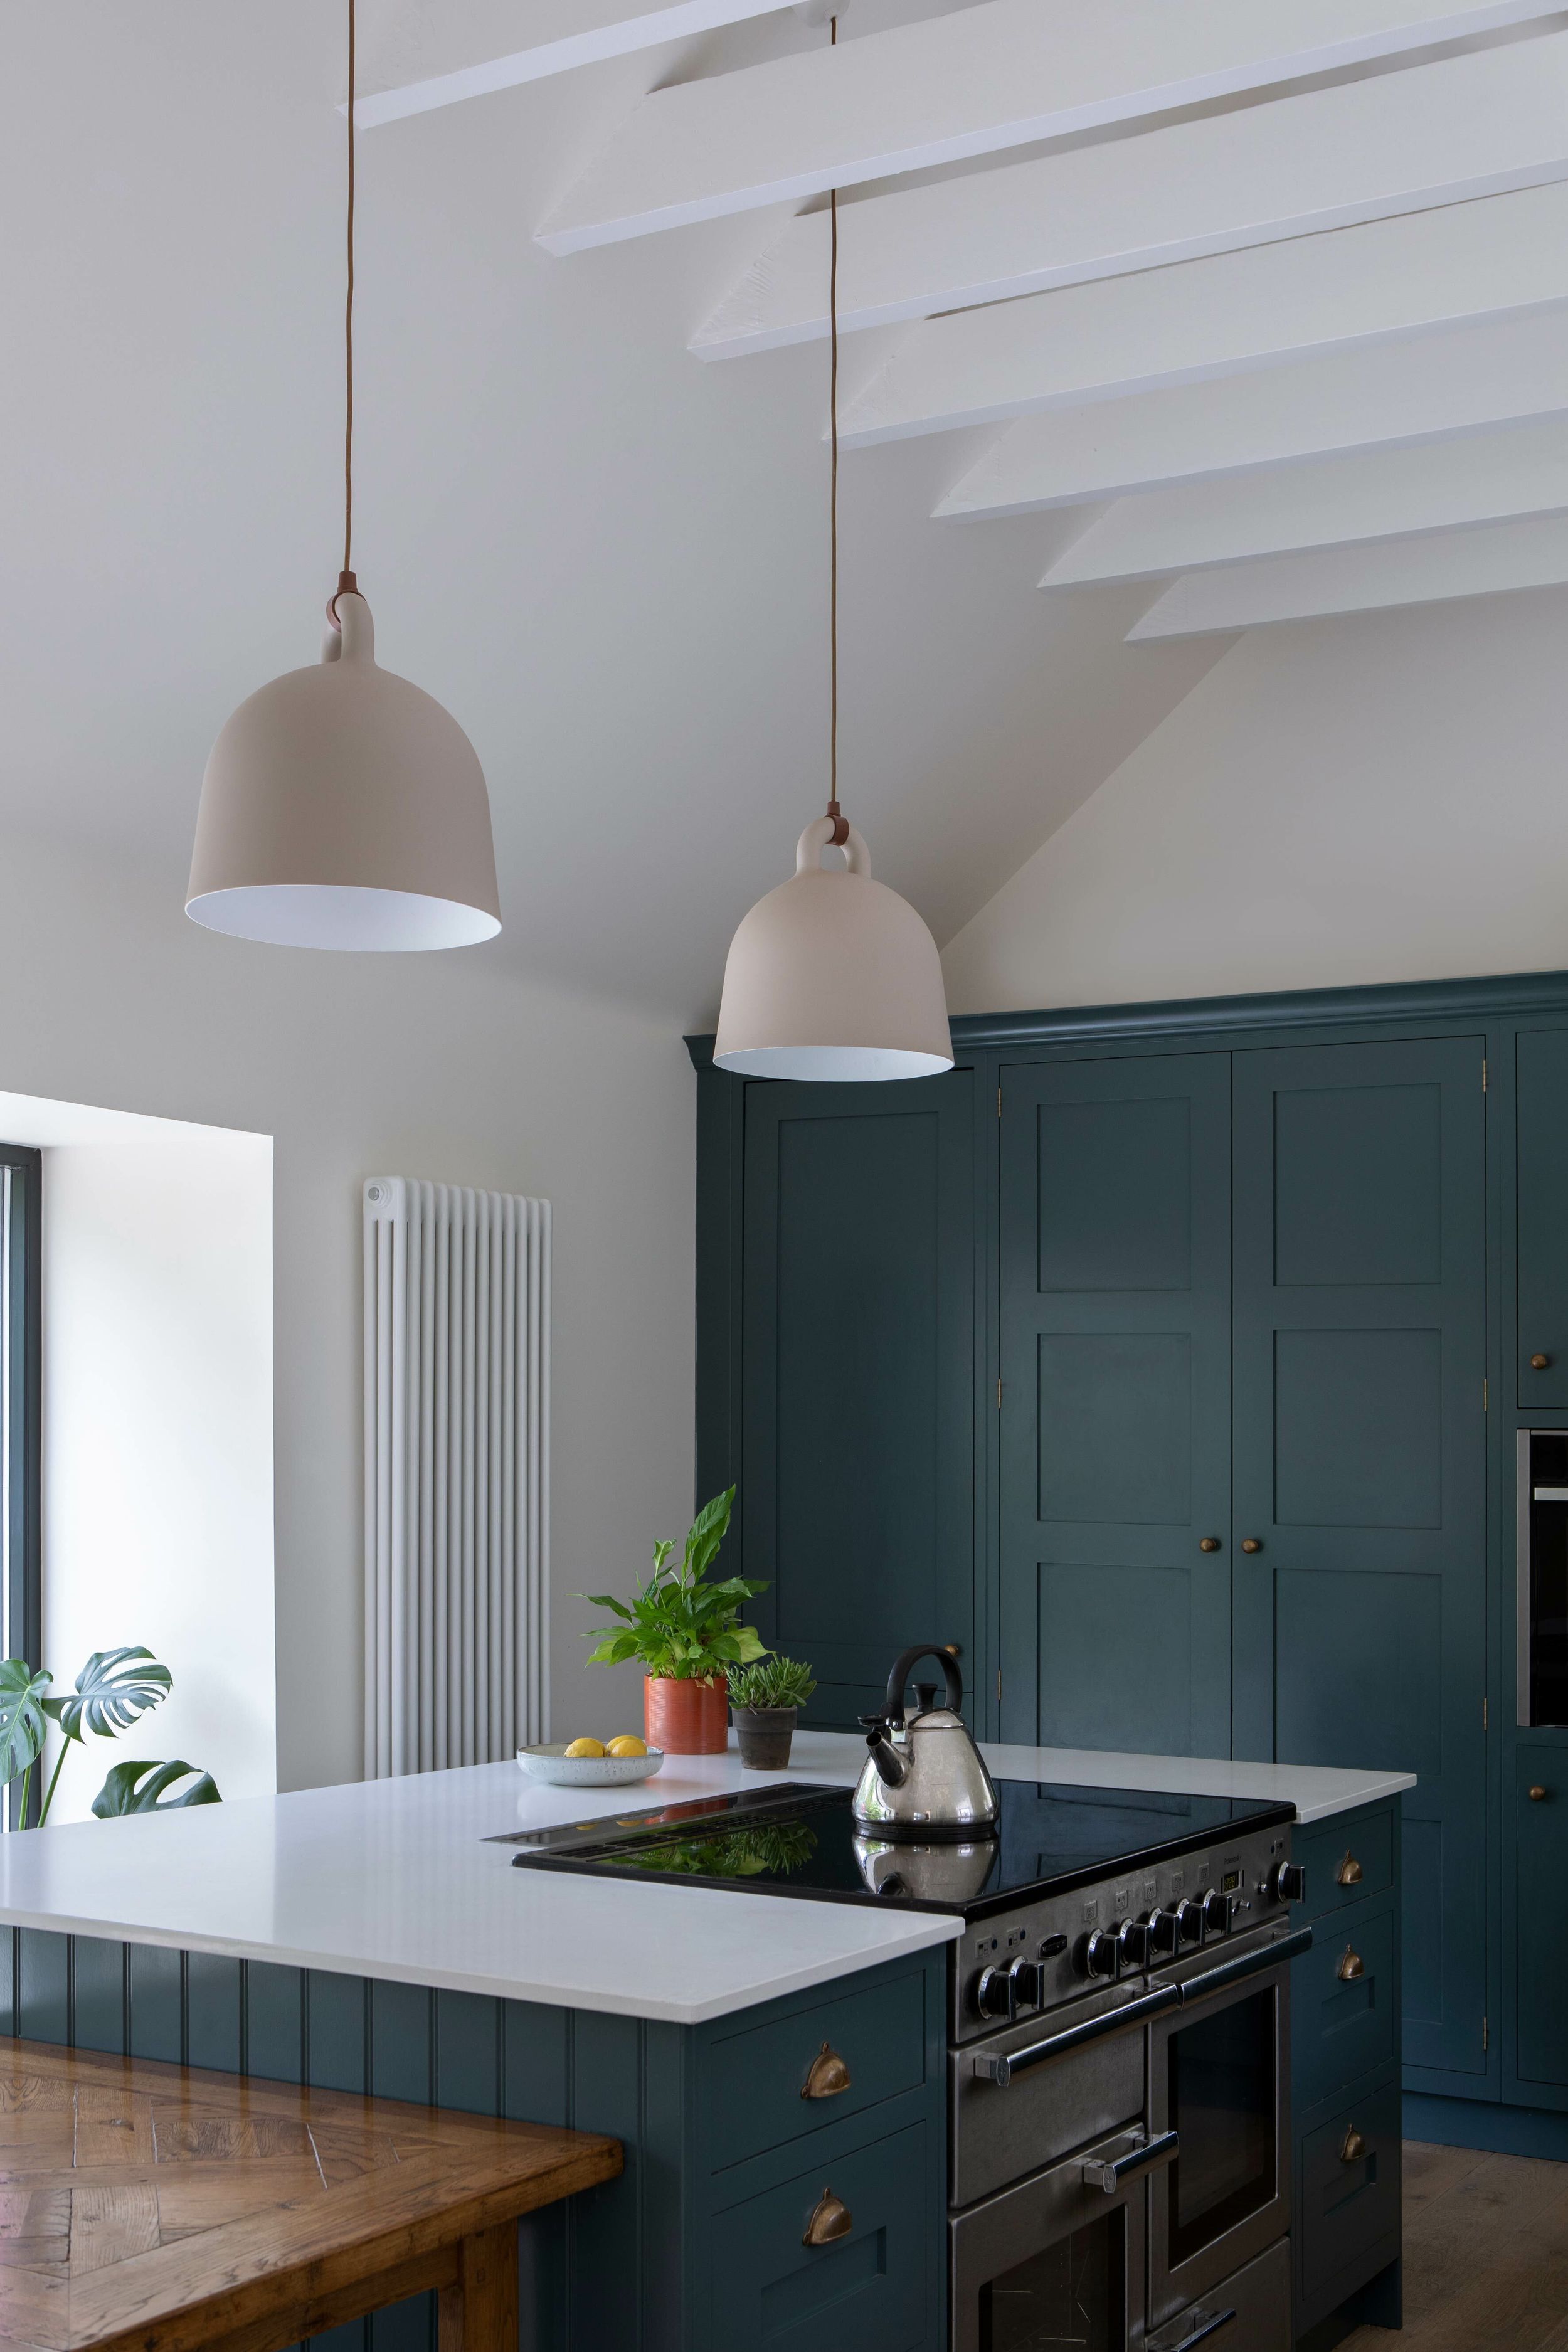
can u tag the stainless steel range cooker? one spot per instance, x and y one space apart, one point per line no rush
1118 2044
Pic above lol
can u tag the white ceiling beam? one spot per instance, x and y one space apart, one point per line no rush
1360 579
974 82
1434 134
1203 319
1389 396
466 49
1499 477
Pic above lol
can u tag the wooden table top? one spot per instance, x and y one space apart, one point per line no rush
161 2206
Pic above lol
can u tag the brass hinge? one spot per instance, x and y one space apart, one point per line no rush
1486 1405
1483 1073
998 1391
999 1102
1486 1717
1485 2035
998 1686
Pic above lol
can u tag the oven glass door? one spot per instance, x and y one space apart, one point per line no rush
1218 2083
1054 2262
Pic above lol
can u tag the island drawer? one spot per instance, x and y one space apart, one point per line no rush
1348 2188
867 2290
1344 2002
1346 1859
768 2083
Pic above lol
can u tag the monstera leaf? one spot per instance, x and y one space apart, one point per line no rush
113 1689
130 1790
22 1727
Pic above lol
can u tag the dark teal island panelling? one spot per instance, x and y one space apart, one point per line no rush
697 2246
1393 1254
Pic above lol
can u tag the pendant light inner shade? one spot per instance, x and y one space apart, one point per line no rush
343 807
833 976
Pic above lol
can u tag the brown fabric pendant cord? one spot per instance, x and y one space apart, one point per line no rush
347 584
840 821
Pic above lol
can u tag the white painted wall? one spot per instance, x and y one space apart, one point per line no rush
1375 798
157 1428
442 1066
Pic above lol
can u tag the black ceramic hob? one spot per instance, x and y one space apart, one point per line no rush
794 1838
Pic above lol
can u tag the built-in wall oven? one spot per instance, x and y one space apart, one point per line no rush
1120 2171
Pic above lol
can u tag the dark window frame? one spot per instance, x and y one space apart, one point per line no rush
21 1194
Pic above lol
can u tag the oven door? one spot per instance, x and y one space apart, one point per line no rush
1060 2258
1219 2079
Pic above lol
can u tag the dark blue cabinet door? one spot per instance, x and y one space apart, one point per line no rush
1543 1133
1115 1248
1541 1877
1361 1465
856 1482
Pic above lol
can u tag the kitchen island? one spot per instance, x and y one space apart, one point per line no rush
374 1937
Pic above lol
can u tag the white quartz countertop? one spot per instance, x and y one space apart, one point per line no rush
395 1879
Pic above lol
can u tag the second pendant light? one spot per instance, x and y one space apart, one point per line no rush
833 976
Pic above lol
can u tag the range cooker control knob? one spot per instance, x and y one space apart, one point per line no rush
1163 1932
1132 1943
1189 1918
996 1994
1028 1989
1219 1912
1287 1882
1102 1951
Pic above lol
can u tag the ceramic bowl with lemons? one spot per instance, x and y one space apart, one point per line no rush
593 1763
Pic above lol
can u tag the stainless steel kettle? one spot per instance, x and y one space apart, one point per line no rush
924 1773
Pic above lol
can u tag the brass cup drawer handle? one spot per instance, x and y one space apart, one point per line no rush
1350 1965
1349 1871
1352 2147
826 2076
830 2219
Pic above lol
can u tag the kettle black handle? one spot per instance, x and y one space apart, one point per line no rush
900 1677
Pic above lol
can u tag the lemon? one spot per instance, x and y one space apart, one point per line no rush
587 1748
625 1743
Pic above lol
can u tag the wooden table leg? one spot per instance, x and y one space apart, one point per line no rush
478 2313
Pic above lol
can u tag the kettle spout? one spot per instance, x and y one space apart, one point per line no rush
892 1770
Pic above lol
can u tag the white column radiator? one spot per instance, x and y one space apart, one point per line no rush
457 1475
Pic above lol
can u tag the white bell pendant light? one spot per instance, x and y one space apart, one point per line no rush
833 976
342 806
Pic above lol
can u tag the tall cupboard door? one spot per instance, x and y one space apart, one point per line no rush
1542 1164
1360 1471
859 1395
1115 1410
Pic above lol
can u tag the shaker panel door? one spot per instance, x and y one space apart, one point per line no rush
1542 1138
1115 1334
1359 1465
856 1481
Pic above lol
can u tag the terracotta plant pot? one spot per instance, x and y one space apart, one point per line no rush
764 1734
685 1718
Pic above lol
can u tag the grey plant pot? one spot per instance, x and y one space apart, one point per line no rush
764 1734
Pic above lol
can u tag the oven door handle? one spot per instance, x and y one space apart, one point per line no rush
1000 2067
1109 2172
1204 2325
1248 1964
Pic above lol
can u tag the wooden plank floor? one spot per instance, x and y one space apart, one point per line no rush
1485 2255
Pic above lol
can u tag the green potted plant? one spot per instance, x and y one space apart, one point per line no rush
114 1689
765 1700
687 1632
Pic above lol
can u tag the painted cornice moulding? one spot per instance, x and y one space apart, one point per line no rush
1502 995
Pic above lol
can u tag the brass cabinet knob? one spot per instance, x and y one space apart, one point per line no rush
953 1648
830 2219
1351 1965
1251 1543
1349 1871
1538 1795
1208 1543
1539 1363
1352 2147
826 2075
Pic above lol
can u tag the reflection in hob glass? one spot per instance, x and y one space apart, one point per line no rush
1067 2298
1222 2105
